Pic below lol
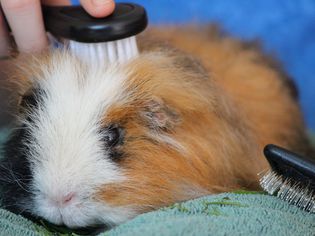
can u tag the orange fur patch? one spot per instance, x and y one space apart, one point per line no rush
229 112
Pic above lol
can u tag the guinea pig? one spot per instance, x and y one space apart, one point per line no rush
186 118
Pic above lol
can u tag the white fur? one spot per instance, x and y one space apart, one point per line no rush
67 152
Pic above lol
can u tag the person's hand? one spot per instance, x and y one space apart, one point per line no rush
26 21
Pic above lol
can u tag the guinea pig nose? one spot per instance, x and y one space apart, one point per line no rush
67 198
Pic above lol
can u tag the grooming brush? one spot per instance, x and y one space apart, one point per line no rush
292 177
97 40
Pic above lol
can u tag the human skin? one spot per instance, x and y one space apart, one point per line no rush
26 22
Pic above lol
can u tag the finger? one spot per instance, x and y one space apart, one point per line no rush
98 8
56 2
4 38
26 22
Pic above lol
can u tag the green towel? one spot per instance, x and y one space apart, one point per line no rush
238 213
224 214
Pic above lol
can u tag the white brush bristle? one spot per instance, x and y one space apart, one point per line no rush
119 51
289 191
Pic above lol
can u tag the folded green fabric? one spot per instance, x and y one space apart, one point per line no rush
242 213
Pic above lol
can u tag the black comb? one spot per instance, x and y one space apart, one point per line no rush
292 177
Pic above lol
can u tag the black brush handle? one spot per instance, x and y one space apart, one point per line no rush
74 23
291 165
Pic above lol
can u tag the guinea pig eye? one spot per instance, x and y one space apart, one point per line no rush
113 135
29 99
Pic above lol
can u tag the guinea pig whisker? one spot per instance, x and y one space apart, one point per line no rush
5 167
12 178
5 177
12 173
8 177
21 186
5 206
22 211
22 179
18 180
18 207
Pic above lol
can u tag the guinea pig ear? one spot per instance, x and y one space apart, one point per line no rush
159 115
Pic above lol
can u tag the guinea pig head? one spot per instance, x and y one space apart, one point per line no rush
100 145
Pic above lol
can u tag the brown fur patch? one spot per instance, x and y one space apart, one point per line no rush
229 110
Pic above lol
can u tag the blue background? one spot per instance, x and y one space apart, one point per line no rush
286 28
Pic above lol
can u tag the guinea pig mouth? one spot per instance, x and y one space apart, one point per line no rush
74 216
63 229
62 216
90 230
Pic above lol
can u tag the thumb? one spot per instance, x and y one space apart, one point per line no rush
98 8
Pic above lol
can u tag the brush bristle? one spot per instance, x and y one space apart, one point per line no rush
289 190
118 51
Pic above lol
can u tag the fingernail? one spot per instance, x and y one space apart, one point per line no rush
101 2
